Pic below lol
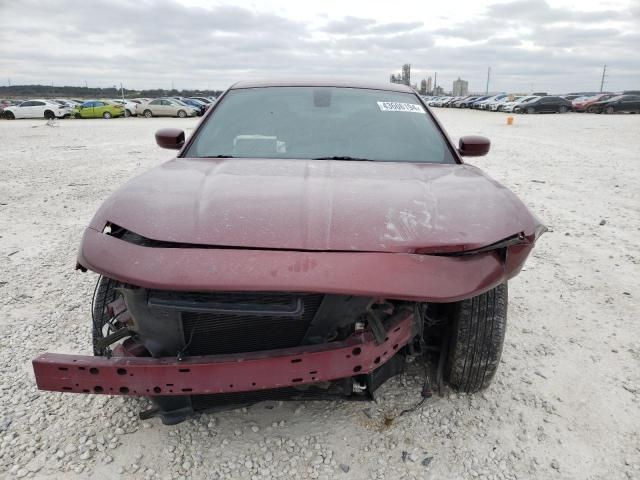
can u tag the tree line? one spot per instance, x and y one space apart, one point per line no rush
48 91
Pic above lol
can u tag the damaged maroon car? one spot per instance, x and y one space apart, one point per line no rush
307 240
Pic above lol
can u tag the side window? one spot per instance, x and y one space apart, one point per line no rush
26 104
98 104
38 104
166 102
156 102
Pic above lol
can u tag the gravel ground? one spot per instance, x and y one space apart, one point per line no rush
565 403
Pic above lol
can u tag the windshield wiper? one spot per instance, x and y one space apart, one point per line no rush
218 156
345 157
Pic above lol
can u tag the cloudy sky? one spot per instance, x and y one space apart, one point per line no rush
550 45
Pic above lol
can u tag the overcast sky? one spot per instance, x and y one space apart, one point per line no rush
552 45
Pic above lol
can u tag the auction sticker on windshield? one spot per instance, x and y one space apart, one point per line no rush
400 107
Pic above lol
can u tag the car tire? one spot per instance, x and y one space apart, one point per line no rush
77 115
148 114
182 114
48 114
9 116
562 109
530 110
105 293
106 115
476 337
609 110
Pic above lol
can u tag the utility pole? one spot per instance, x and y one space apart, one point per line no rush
604 74
488 76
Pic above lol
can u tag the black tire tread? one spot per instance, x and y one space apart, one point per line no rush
477 337
105 293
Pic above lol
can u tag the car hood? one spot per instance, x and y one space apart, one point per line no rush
321 205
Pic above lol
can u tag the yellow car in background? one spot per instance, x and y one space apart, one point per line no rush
98 109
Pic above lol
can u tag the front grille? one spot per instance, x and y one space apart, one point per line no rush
237 322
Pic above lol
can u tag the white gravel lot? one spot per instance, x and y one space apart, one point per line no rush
565 403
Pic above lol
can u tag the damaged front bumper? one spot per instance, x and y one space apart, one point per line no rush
359 354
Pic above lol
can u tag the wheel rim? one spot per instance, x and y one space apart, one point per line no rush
181 114
147 114
107 115
48 115
609 109
530 110
563 109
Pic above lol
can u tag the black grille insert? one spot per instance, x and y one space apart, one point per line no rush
237 322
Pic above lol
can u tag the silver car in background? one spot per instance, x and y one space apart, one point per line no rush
166 107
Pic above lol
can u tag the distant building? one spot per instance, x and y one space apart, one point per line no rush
404 77
423 87
438 91
460 88
429 84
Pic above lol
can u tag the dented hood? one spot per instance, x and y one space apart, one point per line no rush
318 205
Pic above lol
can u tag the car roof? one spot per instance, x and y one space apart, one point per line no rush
321 82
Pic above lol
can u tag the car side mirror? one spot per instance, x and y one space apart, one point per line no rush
172 138
473 146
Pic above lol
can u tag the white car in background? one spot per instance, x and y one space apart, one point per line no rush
37 108
130 106
499 105
509 106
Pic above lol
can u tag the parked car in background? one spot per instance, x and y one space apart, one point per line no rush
582 103
549 104
98 109
167 107
620 103
456 103
65 102
511 106
572 96
466 103
500 104
449 101
38 108
130 107
487 102
206 100
4 104
197 104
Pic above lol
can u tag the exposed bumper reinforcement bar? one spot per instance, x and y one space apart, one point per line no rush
145 376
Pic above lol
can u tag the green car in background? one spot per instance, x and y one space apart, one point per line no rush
98 109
